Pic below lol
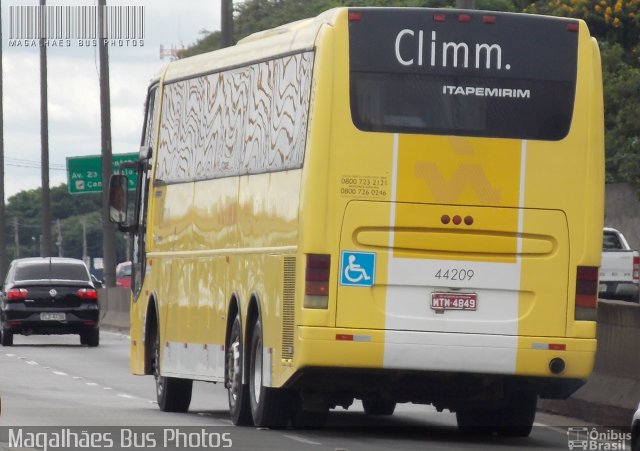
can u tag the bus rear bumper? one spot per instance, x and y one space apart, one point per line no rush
555 357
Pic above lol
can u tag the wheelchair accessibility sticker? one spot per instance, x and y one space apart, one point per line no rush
358 268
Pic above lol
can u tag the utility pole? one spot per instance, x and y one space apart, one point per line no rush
85 257
226 23
45 243
59 239
84 239
108 230
16 236
466 4
3 248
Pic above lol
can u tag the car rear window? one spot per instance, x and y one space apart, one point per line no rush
57 271
124 271
611 242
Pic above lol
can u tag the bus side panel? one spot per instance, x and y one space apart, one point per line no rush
268 231
579 170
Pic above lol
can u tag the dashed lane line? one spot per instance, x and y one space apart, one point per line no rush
299 439
77 378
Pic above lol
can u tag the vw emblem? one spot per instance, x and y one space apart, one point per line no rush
53 292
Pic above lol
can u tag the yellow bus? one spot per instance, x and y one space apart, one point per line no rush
387 205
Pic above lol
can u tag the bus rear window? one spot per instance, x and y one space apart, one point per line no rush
514 78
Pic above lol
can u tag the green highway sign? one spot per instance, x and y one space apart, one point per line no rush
84 174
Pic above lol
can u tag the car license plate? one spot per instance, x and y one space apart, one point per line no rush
454 301
53 316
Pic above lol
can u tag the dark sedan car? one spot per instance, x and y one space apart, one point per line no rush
49 295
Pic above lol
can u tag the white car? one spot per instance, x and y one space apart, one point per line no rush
620 268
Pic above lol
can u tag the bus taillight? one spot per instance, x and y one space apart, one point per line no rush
316 280
586 293
573 27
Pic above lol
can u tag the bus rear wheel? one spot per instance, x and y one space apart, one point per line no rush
173 394
237 391
518 415
514 419
270 407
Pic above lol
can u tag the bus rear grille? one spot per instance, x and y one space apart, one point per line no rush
288 306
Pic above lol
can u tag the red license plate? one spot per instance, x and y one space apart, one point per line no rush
454 301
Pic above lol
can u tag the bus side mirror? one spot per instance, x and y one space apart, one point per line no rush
118 185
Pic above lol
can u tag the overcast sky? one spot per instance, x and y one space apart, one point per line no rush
73 85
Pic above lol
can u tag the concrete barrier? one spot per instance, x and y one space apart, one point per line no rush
114 308
612 393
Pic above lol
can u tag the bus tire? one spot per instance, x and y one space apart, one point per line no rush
173 394
516 418
375 405
476 422
270 407
237 391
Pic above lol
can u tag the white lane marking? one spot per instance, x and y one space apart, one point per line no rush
119 334
297 438
79 378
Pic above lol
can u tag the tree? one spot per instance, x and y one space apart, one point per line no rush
208 42
621 94
613 21
72 210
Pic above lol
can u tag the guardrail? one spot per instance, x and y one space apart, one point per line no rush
609 398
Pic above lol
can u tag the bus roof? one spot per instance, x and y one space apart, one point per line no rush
289 38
